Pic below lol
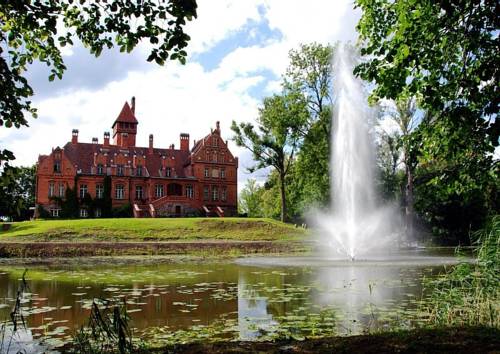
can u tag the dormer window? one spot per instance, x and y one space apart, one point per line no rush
100 169
119 170
138 171
215 142
168 172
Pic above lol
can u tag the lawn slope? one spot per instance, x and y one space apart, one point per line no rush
152 230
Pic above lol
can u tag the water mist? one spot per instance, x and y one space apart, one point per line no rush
356 223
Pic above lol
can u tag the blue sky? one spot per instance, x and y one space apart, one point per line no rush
237 54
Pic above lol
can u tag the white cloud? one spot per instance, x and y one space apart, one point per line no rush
176 98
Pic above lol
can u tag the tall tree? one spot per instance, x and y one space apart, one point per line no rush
445 53
275 141
36 30
310 74
403 112
17 192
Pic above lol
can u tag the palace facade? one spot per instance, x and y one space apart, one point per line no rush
189 181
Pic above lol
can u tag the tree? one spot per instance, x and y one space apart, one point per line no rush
36 30
274 144
404 113
310 74
251 199
446 54
17 192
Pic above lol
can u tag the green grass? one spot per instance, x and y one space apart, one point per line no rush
180 229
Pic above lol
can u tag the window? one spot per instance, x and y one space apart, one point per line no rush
100 169
215 173
62 189
55 212
119 191
174 189
99 191
205 193
223 195
57 166
214 157
215 142
83 190
138 192
208 156
222 158
222 173
159 190
168 172
119 170
215 193
189 191
206 172
51 189
98 213
138 171
84 213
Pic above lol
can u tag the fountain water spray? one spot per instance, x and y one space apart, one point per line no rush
356 223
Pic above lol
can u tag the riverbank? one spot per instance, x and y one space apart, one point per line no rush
118 237
430 340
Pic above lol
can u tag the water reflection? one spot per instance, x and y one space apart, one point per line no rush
243 301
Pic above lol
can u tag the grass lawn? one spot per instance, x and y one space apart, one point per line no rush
180 229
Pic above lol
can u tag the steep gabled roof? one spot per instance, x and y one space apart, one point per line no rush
126 115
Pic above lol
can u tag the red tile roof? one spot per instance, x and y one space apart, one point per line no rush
82 155
126 115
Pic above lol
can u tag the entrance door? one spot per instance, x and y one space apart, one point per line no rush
178 210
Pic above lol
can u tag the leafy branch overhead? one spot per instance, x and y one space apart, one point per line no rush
36 31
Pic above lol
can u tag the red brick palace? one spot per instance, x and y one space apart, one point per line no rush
201 180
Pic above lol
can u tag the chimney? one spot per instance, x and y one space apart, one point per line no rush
150 143
133 105
184 141
74 136
217 126
94 140
106 138
171 146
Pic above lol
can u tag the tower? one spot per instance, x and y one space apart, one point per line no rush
125 126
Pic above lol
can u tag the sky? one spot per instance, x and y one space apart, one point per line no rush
236 56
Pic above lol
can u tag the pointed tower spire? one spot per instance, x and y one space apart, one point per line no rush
126 122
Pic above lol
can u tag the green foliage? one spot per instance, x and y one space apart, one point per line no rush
310 74
70 206
446 54
17 192
35 31
124 211
250 199
108 330
277 137
470 294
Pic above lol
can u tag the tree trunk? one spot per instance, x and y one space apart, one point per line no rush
283 197
409 203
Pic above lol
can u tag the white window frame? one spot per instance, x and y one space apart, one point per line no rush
84 213
55 212
99 191
159 190
119 191
215 193
189 191
52 189
62 190
83 190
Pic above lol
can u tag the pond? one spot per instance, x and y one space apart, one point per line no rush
248 299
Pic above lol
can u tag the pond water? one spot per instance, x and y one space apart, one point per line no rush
250 298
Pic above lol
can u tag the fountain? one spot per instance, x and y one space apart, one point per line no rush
356 223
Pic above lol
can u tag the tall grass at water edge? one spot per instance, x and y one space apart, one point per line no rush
469 295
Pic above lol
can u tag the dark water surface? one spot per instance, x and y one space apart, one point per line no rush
251 298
